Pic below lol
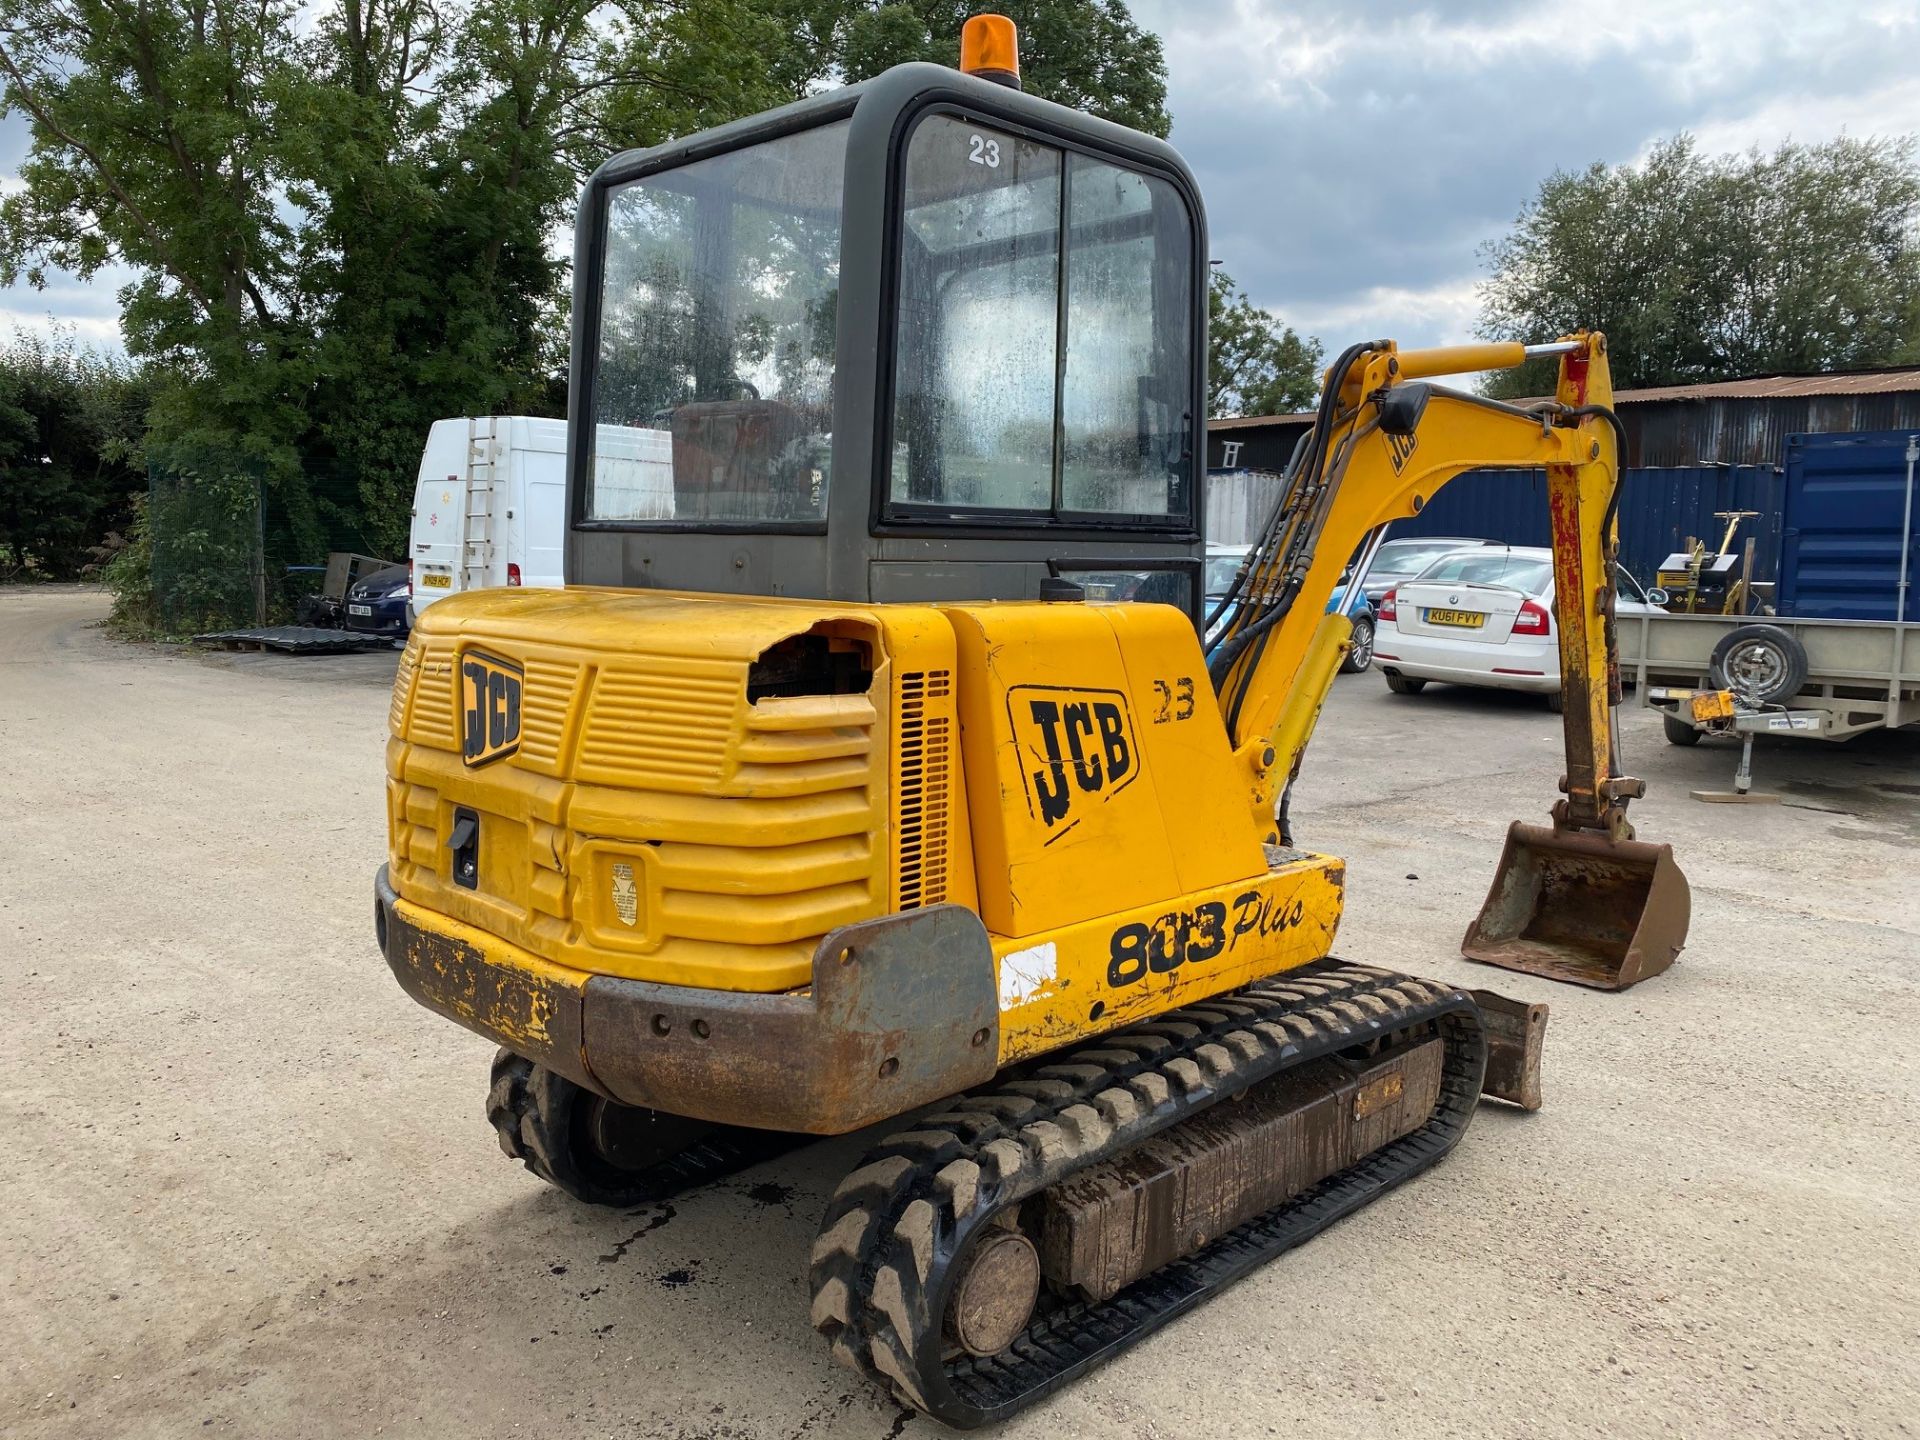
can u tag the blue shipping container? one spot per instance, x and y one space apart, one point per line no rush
1660 506
1840 542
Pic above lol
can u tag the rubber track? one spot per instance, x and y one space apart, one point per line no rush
529 1108
883 1260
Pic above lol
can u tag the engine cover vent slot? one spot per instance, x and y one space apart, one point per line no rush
923 772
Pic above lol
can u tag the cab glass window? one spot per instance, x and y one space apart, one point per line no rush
1125 427
978 321
714 368
1043 355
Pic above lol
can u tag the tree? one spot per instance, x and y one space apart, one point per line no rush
69 422
1256 364
439 150
1705 267
1088 54
336 237
340 219
153 148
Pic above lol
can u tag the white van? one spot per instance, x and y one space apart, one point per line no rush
490 504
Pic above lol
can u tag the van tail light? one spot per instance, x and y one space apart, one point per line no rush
1389 607
513 573
1532 619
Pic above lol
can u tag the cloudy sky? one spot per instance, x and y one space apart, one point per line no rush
1355 155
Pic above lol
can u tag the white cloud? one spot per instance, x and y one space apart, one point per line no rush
1355 158
1436 315
1891 109
94 331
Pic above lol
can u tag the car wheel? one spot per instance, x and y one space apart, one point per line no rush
1359 654
1404 684
1556 702
1762 664
1679 732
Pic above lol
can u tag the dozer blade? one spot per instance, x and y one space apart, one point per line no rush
1578 906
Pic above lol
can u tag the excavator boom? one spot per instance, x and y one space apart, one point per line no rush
1578 900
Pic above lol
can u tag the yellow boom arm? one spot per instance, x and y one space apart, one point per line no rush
1391 444
1383 444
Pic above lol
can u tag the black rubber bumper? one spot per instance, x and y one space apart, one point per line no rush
902 1010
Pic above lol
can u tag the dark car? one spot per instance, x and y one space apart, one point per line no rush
377 605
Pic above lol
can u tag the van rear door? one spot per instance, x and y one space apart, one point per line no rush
439 513
536 528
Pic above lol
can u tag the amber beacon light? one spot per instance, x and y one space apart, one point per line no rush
990 48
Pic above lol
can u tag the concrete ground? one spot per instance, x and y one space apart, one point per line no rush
251 1190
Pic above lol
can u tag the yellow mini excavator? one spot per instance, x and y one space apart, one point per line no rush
827 793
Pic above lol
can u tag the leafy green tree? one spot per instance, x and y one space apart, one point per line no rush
428 259
155 147
335 238
673 67
1256 364
1089 54
341 220
69 423
1703 267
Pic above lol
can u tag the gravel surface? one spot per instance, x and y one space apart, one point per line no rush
252 1191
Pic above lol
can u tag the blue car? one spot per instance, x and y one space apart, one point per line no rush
1223 562
377 605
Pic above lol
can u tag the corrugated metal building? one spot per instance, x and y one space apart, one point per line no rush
1728 422
1692 450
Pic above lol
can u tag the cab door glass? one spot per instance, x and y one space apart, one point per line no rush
1126 422
976 349
1043 362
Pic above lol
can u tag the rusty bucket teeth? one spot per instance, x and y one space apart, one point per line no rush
1581 907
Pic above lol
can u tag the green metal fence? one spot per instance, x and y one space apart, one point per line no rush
234 548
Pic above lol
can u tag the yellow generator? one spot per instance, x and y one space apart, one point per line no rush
871 765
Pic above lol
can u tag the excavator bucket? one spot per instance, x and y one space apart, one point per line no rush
1578 906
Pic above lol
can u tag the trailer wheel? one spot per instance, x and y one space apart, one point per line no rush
1679 732
1762 664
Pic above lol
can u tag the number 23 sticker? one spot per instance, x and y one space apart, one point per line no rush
982 151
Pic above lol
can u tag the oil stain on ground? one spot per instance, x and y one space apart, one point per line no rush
677 1279
620 1247
1886 803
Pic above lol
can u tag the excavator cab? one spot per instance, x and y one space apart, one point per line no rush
924 339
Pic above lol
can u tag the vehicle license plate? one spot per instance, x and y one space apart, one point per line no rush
359 610
1471 619
437 582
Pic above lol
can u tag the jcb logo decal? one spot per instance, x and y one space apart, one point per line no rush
1400 447
489 708
1076 750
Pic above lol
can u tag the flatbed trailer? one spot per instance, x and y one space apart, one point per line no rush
1859 675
